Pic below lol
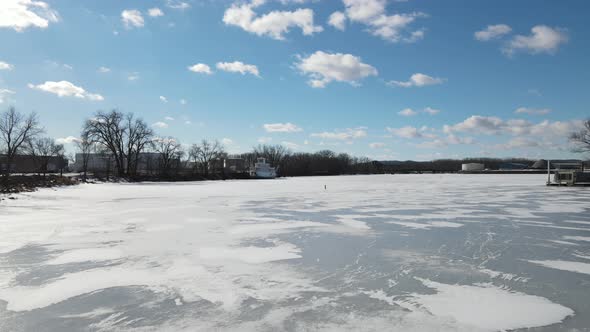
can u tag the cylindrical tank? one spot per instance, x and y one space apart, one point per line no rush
472 167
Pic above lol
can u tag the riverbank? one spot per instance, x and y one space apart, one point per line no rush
27 183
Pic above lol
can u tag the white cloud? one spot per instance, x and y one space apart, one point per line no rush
67 140
5 66
264 140
155 12
418 80
407 112
392 28
238 67
176 4
431 111
406 132
338 20
227 141
323 68
532 111
200 68
483 125
66 89
160 124
22 14
543 39
169 118
274 24
290 145
104 70
133 76
132 18
183 102
5 95
377 145
347 134
163 99
287 127
492 32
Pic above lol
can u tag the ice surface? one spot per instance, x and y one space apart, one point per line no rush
490 308
85 255
565 265
373 253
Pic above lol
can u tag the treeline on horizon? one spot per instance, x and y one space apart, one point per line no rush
124 137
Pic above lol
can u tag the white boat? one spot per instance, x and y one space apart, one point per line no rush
262 170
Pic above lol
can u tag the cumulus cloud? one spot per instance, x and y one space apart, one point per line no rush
5 66
492 32
346 134
133 76
418 80
393 28
532 111
337 20
376 145
485 125
22 14
160 124
543 39
155 12
67 140
163 99
274 24
411 112
66 89
200 68
323 68
132 18
5 95
238 67
169 118
177 4
287 127
227 141
104 70
431 111
406 132
290 145
407 112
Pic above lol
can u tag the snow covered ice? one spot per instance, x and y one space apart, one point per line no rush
371 253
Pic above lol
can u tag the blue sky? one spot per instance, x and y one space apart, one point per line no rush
416 79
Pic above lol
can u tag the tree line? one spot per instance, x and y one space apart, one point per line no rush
122 138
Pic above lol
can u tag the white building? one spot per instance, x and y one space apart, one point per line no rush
472 167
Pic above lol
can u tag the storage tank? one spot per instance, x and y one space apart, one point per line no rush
471 167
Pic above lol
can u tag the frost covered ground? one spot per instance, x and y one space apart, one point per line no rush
390 252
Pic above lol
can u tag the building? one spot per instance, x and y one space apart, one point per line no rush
235 165
148 163
472 167
512 166
33 164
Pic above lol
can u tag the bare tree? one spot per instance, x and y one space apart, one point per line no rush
16 129
274 154
86 147
139 137
203 154
170 151
123 135
582 138
43 150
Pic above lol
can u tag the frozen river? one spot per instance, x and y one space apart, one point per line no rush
358 253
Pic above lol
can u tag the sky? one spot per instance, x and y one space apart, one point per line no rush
387 79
